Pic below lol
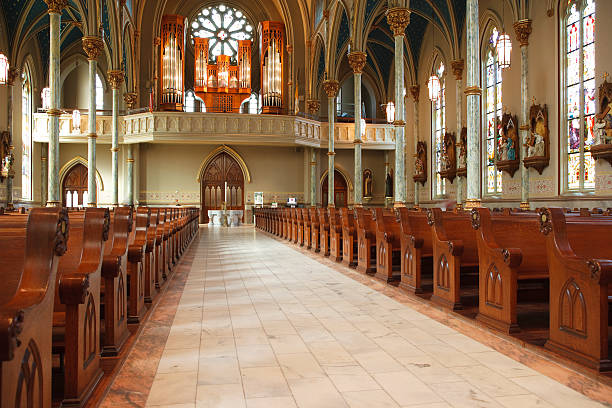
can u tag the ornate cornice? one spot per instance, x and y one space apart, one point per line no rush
313 106
357 61
415 90
457 67
56 6
115 77
130 99
522 28
331 87
93 47
398 19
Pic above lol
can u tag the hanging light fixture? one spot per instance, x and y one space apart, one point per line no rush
4 69
390 112
504 45
434 87
76 120
45 96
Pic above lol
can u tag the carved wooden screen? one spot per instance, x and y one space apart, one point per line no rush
340 190
223 168
75 183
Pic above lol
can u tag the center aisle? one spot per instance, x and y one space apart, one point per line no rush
260 325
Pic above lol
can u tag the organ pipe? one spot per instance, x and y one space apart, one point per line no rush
172 63
272 35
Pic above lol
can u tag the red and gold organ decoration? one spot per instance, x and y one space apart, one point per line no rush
272 44
172 63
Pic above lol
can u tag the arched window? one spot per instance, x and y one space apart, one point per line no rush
578 39
438 128
225 26
99 93
493 111
26 134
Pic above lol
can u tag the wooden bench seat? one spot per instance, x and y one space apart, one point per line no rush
300 227
150 289
366 241
388 244
349 238
417 251
455 257
76 311
315 236
307 226
579 258
135 266
323 231
335 234
32 247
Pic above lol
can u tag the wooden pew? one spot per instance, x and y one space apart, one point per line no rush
300 227
314 230
579 258
135 266
31 247
307 227
150 288
366 241
510 252
455 256
160 245
76 311
388 244
294 225
167 265
417 250
335 234
349 238
114 275
323 231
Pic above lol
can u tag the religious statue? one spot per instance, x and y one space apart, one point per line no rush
537 155
536 144
420 163
367 183
512 136
449 154
507 151
603 123
502 151
462 159
389 184
6 156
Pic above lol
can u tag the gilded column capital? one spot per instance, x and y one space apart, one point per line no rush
313 106
473 90
93 47
522 28
331 87
415 90
457 67
130 99
289 48
56 6
357 61
115 77
398 19
157 41
13 74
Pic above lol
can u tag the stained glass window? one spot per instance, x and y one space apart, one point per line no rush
225 26
579 82
26 134
493 114
438 128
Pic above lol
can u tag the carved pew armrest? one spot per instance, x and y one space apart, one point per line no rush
135 253
111 266
73 288
417 242
388 237
11 325
455 247
601 270
512 256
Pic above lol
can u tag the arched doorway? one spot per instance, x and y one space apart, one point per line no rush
75 184
222 169
340 190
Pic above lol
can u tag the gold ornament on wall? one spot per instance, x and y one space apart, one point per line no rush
357 61
56 6
538 143
331 87
398 19
115 77
522 29
130 99
93 47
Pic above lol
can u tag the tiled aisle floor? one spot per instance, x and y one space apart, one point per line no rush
260 325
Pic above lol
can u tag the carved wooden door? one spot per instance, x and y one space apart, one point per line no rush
340 190
223 168
75 184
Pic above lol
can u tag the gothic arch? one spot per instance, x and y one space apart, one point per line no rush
234 154
73 162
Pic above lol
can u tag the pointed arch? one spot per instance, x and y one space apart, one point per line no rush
341 170
233 153
73 162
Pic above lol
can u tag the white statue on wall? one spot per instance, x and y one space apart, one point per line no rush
503 150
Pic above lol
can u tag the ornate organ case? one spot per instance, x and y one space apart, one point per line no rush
172 63
272 44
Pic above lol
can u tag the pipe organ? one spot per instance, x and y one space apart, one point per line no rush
172 63
271 43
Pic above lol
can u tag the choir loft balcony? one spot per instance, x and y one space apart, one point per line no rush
215 128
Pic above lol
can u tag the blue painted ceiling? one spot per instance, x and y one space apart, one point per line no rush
343 32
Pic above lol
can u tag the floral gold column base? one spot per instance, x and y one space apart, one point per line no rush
472 203
399 204
525 206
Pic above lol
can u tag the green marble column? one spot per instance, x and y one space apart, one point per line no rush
130 175
331 89
523 30
357 61
473 92
313 177
457 67
116 79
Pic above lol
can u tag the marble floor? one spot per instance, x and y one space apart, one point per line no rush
259 324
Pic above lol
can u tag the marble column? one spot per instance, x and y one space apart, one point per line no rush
44 169
473 92
398 18
523 30
384 181
130 175
115 78
13 74
457 67
55 14
156 69
331 87
93 47
313 177
415 91
357 61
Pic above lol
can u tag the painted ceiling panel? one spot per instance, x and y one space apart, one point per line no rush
370 8
414 33
321 67
43 43
106 25
38 8
459 7
343 33
74 35
384 58
12 12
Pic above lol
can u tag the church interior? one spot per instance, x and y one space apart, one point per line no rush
305 203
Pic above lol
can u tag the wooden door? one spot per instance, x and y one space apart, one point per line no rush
222 168
340 190
75 183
